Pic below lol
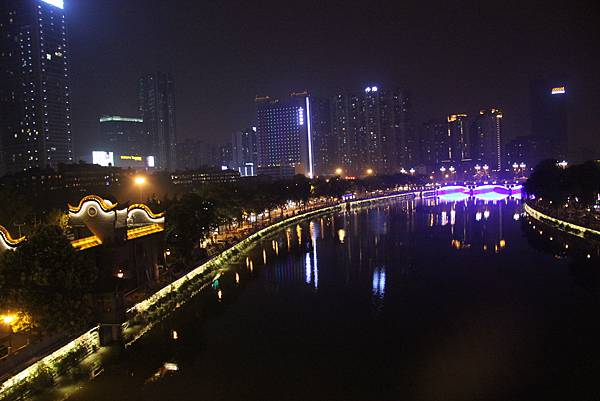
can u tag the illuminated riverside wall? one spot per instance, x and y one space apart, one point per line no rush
51 366
573 229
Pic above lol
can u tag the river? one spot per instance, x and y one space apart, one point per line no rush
407 300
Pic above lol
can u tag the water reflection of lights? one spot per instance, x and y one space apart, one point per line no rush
237 278
220 295
264 253
452 217
299 234
486 214
379 281
341 235
313 236
516 216
444 218
478 216
174 335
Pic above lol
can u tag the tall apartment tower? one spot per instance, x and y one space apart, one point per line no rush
35 122
244 151
457 137
373 131
323 142
284 133
549 114
156 99
486 138
434 144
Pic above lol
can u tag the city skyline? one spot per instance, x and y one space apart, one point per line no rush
438 70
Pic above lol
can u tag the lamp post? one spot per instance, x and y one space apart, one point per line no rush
338 171
140 181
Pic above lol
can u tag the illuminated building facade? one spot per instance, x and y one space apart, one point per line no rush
284 133
244 151
549 114
486 138
157 107
124 135
457 137
434 144
373 131
35 122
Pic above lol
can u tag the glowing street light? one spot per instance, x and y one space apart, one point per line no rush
8 319
338 171
369 171
140 181
443 169
563 164
412 171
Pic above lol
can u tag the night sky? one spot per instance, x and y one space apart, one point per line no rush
452 57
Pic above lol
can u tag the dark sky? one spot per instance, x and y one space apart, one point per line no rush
453 57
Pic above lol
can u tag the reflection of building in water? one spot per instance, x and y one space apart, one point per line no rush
379 281
474 222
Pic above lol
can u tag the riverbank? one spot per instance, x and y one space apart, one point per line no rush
144 315
563 225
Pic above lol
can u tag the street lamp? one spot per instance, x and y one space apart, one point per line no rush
140 181
369 171
412 171
563 164
338 171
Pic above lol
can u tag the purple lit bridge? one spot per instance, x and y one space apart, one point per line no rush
487 192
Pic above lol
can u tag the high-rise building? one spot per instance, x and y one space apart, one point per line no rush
35 122
434 144
195 154
284 134
486 138
322 139
157 107
124 135
244 151
457 137
373 131
549 114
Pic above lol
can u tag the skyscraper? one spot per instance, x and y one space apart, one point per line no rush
323 142
244 151
284 134
434 144
486 138
124 135
157 107
373 131
35 122
457 137
549 119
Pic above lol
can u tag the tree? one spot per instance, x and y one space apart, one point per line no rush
16 210
548 181
190 219
49 281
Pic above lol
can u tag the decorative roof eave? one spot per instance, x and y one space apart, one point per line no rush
146 209
8 240
106 206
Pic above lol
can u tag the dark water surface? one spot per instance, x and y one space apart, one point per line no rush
404 301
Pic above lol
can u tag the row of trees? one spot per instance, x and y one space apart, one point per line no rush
579 183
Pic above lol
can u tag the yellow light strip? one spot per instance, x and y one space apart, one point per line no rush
85 243
146 209
105 206
142 231
9 239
